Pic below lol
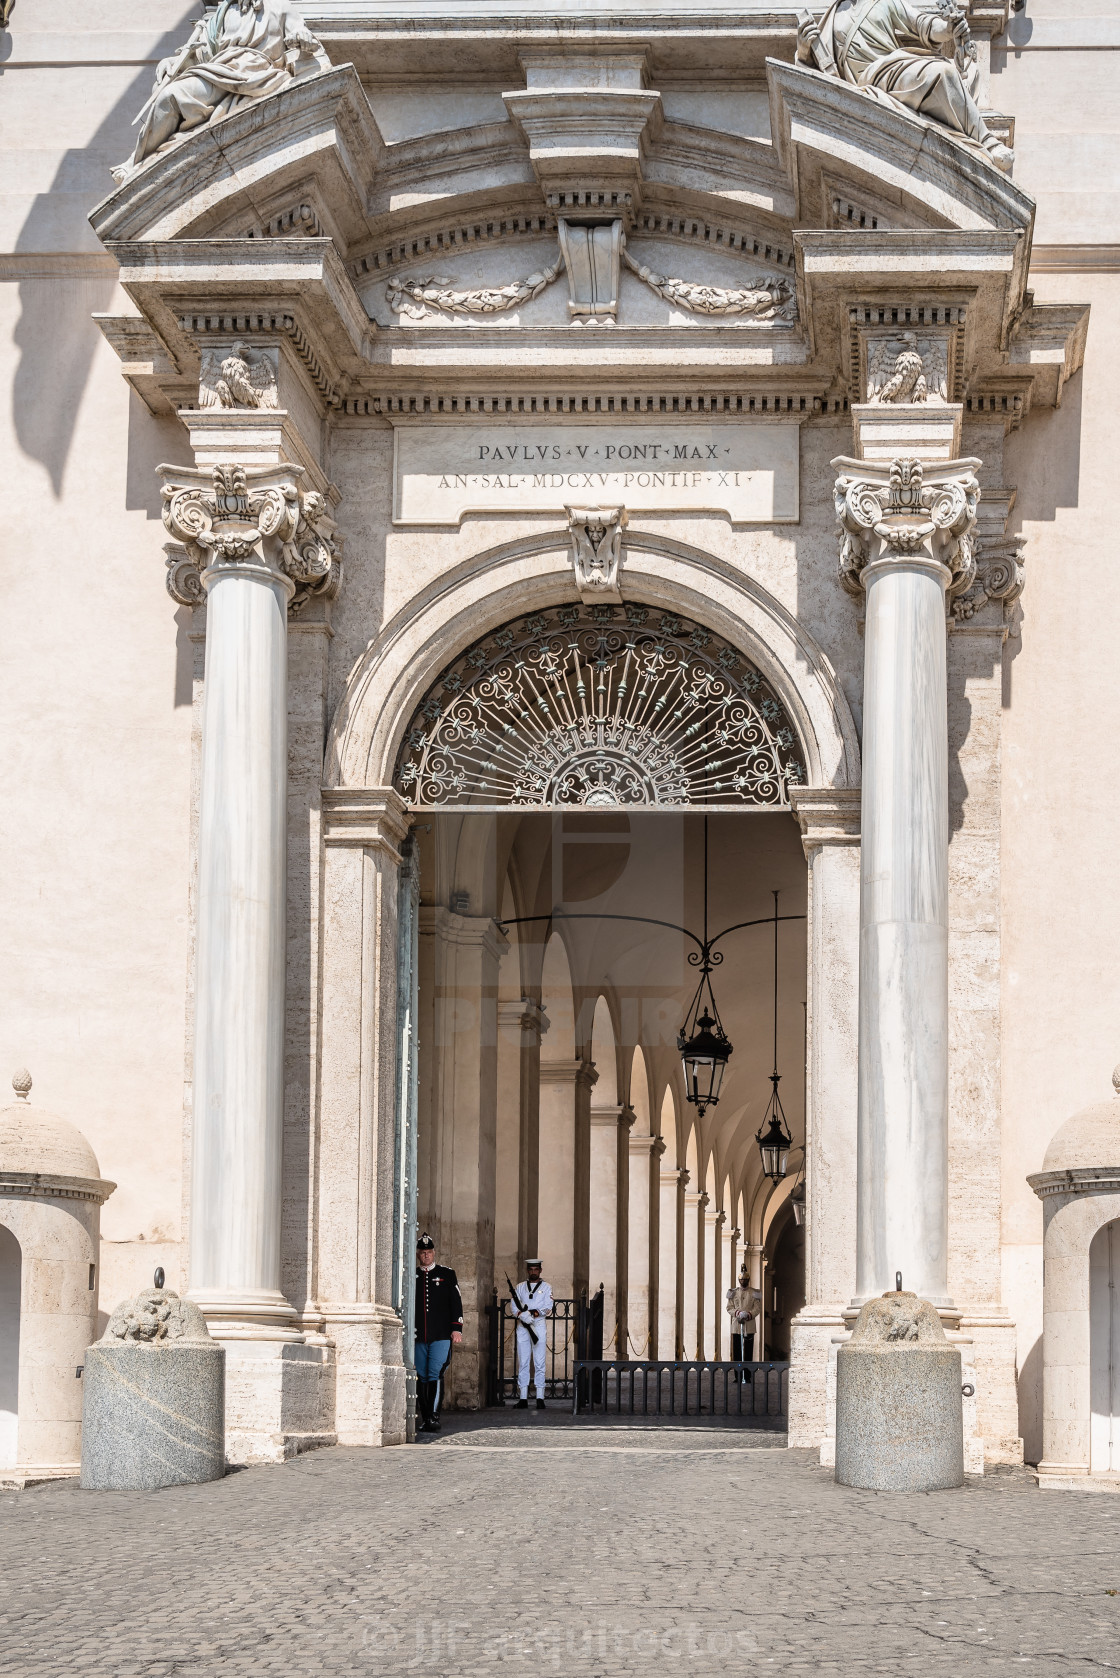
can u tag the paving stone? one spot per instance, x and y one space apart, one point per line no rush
594 1554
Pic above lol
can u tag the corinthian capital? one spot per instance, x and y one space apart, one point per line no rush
232 516
907 511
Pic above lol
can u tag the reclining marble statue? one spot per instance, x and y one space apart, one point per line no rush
239 51
918 54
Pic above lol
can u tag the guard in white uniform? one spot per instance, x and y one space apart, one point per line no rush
532 1303
744 1304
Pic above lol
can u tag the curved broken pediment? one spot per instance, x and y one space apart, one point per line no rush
587 207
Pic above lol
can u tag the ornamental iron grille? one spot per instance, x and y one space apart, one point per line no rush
600 705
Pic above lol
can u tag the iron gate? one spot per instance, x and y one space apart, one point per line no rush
573 1332
619 1387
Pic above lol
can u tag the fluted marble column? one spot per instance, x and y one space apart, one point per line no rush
906 541
248 534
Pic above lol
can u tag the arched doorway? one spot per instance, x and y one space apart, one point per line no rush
1104 1349
586 785
11 1274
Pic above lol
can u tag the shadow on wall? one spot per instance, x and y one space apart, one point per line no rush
1044 460
55 334
1030 1403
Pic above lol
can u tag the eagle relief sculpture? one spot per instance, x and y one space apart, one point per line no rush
243 378
240 51
905 368
917 54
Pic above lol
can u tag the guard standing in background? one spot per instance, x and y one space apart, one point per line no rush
439 1326
532 1304
743 1304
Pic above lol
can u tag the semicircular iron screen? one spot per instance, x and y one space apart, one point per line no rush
600 705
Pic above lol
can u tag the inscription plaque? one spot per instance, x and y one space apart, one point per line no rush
746 470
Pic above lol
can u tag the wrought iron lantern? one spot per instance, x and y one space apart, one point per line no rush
775 1145
797 1201
702 1042
704 1053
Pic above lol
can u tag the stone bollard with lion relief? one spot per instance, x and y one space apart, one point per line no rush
154 1401
899 1408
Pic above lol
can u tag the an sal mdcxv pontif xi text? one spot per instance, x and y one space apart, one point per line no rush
747 470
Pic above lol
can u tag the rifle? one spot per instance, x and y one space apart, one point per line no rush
518 1308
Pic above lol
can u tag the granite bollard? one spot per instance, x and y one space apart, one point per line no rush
899 1411
153 1410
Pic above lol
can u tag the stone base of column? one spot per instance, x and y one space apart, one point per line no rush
812 1333
1074 1477
280 1398
370 1390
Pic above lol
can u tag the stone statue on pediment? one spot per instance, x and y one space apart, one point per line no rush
918 54
240 51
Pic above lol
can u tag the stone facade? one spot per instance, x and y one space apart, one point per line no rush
398 328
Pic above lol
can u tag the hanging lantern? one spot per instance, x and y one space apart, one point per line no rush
797 1201
704 1053
702 1042
775 1144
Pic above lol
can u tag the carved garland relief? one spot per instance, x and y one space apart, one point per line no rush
593 256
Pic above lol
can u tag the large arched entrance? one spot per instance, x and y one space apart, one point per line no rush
413 958
589 786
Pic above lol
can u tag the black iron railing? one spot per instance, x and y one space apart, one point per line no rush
573 1331
606 1386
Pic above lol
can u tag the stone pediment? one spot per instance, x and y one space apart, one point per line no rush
294 216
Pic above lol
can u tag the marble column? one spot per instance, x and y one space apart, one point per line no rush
907 541
640 1342
669 1260
563 1204
719 1282
520 1025
603 1220
694 1204
245 536
239 528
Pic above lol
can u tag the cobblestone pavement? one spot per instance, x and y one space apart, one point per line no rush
659 1551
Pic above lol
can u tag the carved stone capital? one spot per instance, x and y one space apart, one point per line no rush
596 534
907 512
259 518
1000 575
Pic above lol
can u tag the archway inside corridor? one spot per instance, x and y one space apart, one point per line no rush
576 779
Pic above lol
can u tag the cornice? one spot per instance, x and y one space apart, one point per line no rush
775 402
42 1185
1082 1179
377 817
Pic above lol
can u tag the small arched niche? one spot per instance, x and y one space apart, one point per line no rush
1079 1187
51 1192
11 1270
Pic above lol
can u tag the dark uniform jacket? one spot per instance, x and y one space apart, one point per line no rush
439 1304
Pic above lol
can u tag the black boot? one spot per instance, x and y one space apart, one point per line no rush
435 1398
422 1406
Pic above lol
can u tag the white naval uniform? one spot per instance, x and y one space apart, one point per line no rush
528 1297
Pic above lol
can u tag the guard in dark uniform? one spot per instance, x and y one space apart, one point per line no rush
439 1326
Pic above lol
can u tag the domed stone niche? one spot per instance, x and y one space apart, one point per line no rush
51 1192
1079 1187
